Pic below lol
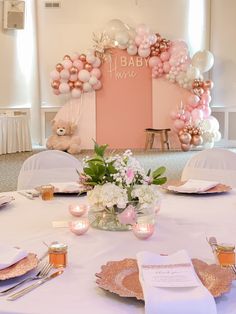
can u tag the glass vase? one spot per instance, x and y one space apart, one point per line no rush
106 221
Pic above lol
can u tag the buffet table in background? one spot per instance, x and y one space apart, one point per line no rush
184 222
14 134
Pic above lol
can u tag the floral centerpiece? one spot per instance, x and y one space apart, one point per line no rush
120 190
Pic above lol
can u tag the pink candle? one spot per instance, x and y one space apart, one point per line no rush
79 226
143 230
78 209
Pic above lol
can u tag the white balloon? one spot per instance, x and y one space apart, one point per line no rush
93 80
132 50
65 74
203 60
55 75
76 93
113 27
84 75
144 53
122 38
192 72
90 58
97 62
217 136
87 87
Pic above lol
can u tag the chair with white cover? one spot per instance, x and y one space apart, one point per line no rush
215 164
47 167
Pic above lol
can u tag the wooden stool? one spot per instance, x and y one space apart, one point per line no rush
164 139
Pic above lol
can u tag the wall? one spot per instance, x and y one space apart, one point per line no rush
70 28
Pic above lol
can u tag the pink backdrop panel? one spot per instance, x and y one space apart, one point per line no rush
167 97
124 104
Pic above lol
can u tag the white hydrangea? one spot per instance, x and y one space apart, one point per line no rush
107 195
146 194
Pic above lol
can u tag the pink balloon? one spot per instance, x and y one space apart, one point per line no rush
165 56
183 117
56 91
75 56
76 93
67 64
74 77
154 61
97 86
55 75
206 112
78 64
65 74
205 98
144 53
138 40
97 63
166 67
64 88
96 72
173 115
178 124
197 114
193 99
187 115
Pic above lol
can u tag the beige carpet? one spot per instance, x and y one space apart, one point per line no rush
174 162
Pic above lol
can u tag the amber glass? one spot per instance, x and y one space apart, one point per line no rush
226 255
47 192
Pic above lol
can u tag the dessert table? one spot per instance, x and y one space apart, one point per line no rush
14 134
184 222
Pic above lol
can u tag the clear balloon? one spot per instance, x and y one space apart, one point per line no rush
122 38
203 60
113 27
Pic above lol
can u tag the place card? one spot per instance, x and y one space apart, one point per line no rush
170 275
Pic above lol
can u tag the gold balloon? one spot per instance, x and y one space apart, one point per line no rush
208 84
196 140
181 132
78 84
185 147
185 138
71 84
82 57
73 70
66 57
88 67
59 67
55 84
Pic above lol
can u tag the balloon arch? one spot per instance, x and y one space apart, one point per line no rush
80 73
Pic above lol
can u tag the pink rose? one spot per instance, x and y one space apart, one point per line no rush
128 216
129 176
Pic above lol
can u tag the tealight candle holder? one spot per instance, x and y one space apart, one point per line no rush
143 230
79 226
78 209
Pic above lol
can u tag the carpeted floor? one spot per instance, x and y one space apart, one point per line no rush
174 162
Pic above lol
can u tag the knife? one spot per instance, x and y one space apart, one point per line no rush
33 286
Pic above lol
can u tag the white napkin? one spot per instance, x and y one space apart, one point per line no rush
5 199
169 300
10 256
193 186
66 187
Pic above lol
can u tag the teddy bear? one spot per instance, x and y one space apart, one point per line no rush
63 137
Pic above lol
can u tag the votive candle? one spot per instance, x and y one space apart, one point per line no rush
143 230
79 226
78 209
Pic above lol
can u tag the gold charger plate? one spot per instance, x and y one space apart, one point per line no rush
20 268
122 278
219 188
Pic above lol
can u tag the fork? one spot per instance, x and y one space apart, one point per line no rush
41 274
233 267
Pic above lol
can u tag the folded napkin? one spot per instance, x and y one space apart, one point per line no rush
10 256
66 187
170 285
193 186
5 199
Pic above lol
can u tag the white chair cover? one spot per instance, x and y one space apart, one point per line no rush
216 164
46 167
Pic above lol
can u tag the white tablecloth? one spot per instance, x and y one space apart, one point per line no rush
183 222
14 134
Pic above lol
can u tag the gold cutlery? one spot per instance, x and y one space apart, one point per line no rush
33 286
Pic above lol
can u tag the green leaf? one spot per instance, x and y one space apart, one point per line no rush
149 172
158 172
100 150
159 181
